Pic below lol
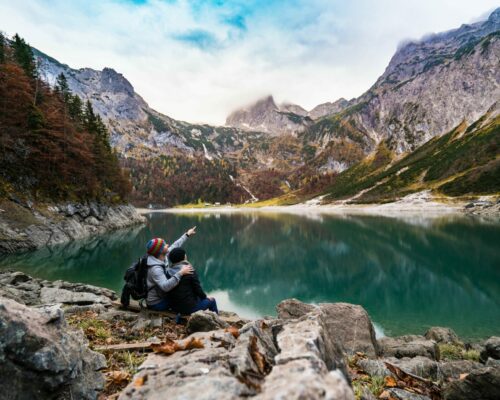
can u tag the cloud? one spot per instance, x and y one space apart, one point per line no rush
199 60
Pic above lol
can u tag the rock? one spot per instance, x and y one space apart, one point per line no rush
309 338
453 369
293 308
373 367
491 349
56 295
349 324
233 319
408 346
442 335
481 384
204 321
491 362
41 358
270 359
351 327
400 394
140 325
305 379
420 366
60 224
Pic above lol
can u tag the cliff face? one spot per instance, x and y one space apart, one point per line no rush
428 88
266 116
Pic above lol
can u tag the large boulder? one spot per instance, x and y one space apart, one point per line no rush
481 384
205 321
41 358
266 359
33 291
454 369
348 324
442 335
293 308
305 379
408 346
491 349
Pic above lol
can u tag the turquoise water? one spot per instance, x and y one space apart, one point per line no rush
409 274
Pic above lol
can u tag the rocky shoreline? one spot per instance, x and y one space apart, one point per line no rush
324 351
25 226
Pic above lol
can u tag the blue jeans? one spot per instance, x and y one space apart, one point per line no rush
163 305
206 304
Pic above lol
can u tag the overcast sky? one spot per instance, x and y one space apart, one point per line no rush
199 60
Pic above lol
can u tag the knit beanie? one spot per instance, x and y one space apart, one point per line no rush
155 246
177 255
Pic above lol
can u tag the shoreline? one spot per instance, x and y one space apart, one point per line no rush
417 204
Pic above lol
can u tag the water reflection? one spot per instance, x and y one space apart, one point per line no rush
408 274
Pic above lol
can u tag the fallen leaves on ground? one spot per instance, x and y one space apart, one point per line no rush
140 381
233 331
118 377
169 347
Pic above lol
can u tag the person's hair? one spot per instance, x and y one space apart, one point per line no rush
177 255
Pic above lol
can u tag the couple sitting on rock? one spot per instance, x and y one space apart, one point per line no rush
172 282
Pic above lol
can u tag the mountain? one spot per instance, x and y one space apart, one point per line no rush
324 109
429 87
266 150
266 116
287 118
136 129
461 162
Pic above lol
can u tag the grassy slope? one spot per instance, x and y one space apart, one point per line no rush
464 161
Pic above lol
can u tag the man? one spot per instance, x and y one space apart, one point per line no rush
187 296
157 282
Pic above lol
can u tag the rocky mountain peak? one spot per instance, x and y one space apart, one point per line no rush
265 116
328 108
114 82
495 16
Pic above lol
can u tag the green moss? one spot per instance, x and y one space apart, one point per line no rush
449 351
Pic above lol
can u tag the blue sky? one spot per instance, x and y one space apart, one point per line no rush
199 60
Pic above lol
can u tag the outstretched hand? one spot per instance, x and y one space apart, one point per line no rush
191 231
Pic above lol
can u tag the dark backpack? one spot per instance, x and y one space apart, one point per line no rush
136 285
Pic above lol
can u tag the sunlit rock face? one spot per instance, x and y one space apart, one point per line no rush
266 116
428 88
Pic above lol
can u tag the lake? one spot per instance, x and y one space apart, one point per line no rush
409 273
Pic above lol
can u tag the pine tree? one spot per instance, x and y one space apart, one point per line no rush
2 48
62 87
75 108
89 118
24 56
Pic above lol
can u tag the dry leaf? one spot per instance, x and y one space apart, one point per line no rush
140 381
233 331
118 377
390 382
258 358
109 340
463 376
168 347
384 395
194 343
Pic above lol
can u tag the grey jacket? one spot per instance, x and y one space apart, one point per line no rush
158 284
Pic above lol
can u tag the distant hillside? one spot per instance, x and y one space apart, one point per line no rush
52 146
465 161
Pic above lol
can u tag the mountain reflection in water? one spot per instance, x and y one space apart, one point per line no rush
409 274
